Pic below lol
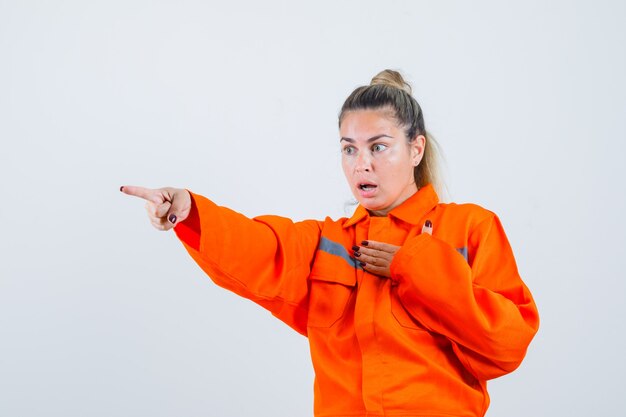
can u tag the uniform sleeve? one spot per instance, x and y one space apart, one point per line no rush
266 259
482 306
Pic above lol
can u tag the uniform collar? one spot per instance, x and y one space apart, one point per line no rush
410 211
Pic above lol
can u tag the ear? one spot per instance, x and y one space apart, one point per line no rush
418 145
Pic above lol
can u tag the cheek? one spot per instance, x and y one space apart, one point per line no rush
346 167
347 162
391 162
395 166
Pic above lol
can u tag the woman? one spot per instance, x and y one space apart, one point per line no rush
410 305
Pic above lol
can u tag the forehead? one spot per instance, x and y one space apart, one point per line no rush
363 124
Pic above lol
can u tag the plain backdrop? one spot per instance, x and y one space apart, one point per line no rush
101 315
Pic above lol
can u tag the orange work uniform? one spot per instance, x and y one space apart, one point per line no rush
454 314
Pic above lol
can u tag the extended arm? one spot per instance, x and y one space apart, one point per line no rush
266 259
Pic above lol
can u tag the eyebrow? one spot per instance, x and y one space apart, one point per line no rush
372 139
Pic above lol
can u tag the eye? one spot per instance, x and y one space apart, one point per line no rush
348 150
379 147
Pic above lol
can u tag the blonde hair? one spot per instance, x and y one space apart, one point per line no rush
389 90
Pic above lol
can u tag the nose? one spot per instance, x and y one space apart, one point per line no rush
363 162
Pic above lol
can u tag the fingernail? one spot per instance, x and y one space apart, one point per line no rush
357 254
355 248
428 227
364 243
122 188
172 218
362 263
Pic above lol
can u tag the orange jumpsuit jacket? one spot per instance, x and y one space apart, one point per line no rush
454 314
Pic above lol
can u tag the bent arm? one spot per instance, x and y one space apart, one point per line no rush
266 259
484 309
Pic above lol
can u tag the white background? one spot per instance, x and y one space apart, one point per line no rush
101 315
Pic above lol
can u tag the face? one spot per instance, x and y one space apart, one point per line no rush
378 159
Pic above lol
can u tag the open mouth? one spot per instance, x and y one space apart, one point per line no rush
367 187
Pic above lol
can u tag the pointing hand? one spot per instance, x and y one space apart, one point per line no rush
165 206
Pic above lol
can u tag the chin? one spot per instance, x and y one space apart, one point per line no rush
371 206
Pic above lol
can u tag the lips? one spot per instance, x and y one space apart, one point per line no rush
367 189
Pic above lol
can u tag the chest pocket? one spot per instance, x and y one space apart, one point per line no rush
329 299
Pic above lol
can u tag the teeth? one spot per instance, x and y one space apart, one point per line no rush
366 186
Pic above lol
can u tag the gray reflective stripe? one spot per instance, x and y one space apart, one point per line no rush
463 251
334 248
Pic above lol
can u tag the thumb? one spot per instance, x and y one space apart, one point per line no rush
180 205
428 227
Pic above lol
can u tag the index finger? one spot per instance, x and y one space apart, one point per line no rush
381 246
142 192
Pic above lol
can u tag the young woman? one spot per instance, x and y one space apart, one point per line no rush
410 305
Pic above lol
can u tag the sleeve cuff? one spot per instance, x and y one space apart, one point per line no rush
405 254
189 230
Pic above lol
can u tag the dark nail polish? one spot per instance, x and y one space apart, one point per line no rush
122 188
357 254
428 223
172 218
362 263
355 248
364 243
